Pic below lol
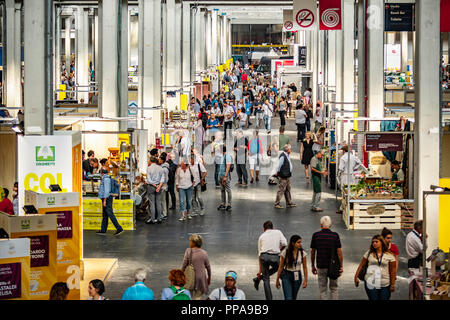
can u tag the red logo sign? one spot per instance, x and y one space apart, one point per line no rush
330 15
305 18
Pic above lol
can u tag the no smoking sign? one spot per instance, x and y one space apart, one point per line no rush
305 18
288 25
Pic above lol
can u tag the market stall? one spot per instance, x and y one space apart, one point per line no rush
377 199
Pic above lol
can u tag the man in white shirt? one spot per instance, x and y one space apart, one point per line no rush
270 244
300 121
229 291
199 173
268 114
414 246
318 120
155 182
346 166
228 113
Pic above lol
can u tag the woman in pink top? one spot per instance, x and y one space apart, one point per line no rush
387 235
202 268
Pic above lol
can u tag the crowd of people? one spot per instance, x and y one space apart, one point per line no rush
288 260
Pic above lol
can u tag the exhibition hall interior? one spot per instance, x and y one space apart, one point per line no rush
224 150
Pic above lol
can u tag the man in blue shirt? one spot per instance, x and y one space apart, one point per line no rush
139 290
104 193
212 125
225 179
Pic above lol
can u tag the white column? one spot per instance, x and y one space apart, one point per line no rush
230 36
208 38
198 41
34 61
13 92
123 78
348 61
214 42
331 64
82 53
178 52
361 63
315 64
202 40
404 42
375 61
68 26
96 48
427 108
339 71
157 55
223 39
186 48
164 44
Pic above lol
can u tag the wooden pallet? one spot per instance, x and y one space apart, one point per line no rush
391 218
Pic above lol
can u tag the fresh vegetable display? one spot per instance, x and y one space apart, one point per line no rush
379 189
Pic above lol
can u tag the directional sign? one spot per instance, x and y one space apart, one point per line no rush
304 14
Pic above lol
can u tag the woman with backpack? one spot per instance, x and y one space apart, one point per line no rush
198 259
379 270
176 290
292 259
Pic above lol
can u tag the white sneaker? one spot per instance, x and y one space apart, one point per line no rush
182 219
193 214
189 217
202 213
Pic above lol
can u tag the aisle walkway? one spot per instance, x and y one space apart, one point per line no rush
231 238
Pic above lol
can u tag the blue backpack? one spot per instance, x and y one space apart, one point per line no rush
254 146
115 188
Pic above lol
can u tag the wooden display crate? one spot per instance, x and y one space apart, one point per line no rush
362 220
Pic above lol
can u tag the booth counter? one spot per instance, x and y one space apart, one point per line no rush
41 232
65 207
15 269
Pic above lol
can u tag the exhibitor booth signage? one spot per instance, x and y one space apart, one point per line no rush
384 142
44 160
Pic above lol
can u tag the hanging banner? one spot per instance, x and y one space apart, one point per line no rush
445 12
44 160
384 142
304 14
330 14
300 55
288 22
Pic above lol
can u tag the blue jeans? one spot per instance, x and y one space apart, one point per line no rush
216 174
290 286
378 294
185 199
108 212
267 121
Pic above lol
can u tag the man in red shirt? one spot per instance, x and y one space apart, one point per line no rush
6 204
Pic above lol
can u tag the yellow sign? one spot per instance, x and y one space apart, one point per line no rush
183 102
92 214
62 95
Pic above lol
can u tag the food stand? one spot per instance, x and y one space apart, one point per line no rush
375 202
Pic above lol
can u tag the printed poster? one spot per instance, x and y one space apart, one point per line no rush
39 251
10 280
64 224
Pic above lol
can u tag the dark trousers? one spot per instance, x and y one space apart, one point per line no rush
416 262
308 125
282 117
301 131
378 294
108 212
290 285
216 174
173 198
241 170
227 125
270 264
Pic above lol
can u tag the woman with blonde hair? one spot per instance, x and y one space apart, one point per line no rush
381 270
306 153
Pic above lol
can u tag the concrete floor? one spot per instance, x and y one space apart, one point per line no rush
231 238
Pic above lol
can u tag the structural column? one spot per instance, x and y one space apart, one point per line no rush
331 64
157 54
208 38
57 33
214 37
13 63
427 119
348 61
34 60
198 42
68 26
375 61
178 52
404 43
361 63
82 55
186 43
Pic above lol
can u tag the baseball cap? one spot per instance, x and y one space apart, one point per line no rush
231 274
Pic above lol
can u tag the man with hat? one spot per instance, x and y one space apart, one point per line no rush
229 291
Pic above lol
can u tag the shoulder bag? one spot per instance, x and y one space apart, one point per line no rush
190 274
202 186
335 265
363 271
